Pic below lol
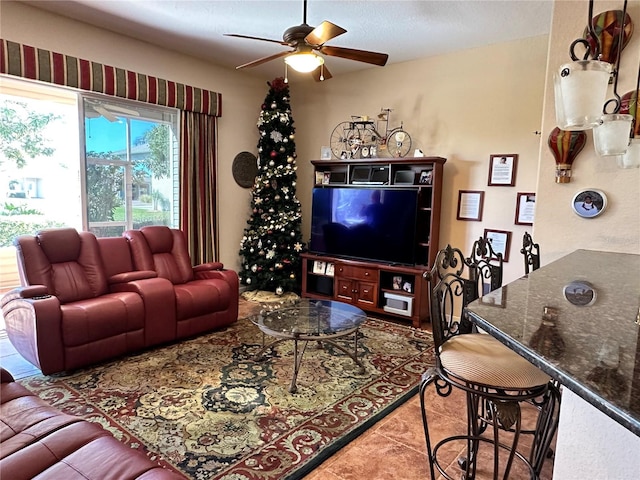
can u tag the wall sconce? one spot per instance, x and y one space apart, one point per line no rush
580 91
581 86
611 135
565 146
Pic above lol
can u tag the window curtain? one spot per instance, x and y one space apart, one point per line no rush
199 109
198 180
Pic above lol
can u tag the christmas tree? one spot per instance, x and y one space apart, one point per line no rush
272 241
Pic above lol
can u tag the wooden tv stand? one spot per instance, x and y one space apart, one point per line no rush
394 290
369 284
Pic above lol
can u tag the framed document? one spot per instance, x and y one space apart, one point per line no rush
319 267
426 177
470 204
502 170
331 267
500 241
525 208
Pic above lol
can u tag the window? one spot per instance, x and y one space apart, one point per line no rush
131 174
115 170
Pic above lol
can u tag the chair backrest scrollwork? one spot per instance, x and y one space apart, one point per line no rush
485 267
450 292
531 253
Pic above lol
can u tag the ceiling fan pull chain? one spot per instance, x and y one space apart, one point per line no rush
286 73
322 72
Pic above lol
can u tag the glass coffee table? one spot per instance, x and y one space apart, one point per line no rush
306 320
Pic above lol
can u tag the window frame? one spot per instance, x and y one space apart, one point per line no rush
141 107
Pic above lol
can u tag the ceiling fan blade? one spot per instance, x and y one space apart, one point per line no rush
254 38
323 33
262 60
358 55
322 69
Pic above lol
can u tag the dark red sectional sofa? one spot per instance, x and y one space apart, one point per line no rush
38 441
85 300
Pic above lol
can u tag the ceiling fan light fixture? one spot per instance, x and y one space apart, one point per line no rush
304 62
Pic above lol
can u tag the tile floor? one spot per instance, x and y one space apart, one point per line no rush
393 449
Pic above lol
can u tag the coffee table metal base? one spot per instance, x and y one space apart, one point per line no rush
299 353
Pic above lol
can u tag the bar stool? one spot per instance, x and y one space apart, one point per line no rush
495 379
531 253
485 267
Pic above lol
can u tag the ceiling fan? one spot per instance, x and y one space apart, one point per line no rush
305 40
94 109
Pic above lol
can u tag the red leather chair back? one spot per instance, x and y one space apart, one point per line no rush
116 255
68 263
163 250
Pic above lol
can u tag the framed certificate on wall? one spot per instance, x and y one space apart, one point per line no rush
525 208
502 170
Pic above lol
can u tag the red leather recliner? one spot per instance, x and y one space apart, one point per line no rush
157 293
65 317
206 296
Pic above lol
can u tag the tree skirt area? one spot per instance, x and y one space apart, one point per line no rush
205 408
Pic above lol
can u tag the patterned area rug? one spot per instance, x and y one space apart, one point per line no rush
206 409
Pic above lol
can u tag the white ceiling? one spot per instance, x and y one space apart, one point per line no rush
406 30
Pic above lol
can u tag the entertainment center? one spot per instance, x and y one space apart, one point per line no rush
374 232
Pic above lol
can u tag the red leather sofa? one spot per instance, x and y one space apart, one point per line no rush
86 299
38 441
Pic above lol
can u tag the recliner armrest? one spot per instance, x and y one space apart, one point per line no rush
34 326
131 276
32 291
205 267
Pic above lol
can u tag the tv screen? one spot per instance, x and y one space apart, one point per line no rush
367 223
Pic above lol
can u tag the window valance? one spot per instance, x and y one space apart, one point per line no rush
38 64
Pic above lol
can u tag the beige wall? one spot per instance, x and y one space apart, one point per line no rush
557 228
463 106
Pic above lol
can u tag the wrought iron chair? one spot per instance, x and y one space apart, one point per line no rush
496 379
485 267
531 253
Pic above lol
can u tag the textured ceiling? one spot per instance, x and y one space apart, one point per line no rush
406 30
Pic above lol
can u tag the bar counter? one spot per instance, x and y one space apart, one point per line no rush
578 319
589 342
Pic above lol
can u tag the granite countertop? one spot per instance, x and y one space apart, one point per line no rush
578 319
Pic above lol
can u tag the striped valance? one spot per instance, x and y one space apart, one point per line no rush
38 64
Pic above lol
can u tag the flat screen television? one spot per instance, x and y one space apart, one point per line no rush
377 224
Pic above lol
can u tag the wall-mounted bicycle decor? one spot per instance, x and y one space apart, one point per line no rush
361 138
